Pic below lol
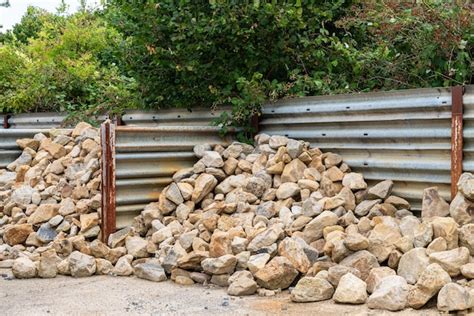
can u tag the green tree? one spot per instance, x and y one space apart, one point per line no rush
243 53
67 64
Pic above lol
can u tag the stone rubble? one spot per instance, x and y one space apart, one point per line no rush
281 215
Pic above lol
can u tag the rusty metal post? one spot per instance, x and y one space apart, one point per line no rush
5 121
254 122
107 135
456 136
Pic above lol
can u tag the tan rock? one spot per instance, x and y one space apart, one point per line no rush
350 290
43 213
89 220
453 297
451 260
294 250
433 204
381 190
447 228
205 183
412 264
312 289
466 237
221 265
390 294
376 275
363 261
293 171
54 149
431 280
461 209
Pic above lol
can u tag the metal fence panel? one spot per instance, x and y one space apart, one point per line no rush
172 117
147 158
468 131
402 135
9 150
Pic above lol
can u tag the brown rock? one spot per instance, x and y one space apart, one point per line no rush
363 261
17 234
279 273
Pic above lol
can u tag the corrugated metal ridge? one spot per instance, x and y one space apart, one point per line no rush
167 129
368 116
419 98
154 155
173 114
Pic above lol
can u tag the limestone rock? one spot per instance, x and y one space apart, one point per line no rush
376 275
453 297
461 210
451 260
314 229
293 171
433 204
221 265
294 250
351 290
466 237
81 265
24 268
466 185
242 283
123 266
363 261
356 242
467 270
431 280
381 190
150 271
354 181
412 264
390 294
205 183
336 272
312 289
47 267
287 190
212 159
136 246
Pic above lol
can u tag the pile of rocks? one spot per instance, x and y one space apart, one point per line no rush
50 196
282 215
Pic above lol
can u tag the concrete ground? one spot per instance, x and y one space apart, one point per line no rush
106 295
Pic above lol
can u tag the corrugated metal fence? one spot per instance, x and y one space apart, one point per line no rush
402 135
146 159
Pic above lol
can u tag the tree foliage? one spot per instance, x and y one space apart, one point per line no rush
241 53
188 53
56 63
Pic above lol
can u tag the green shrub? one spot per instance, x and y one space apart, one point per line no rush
66 65
242 53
